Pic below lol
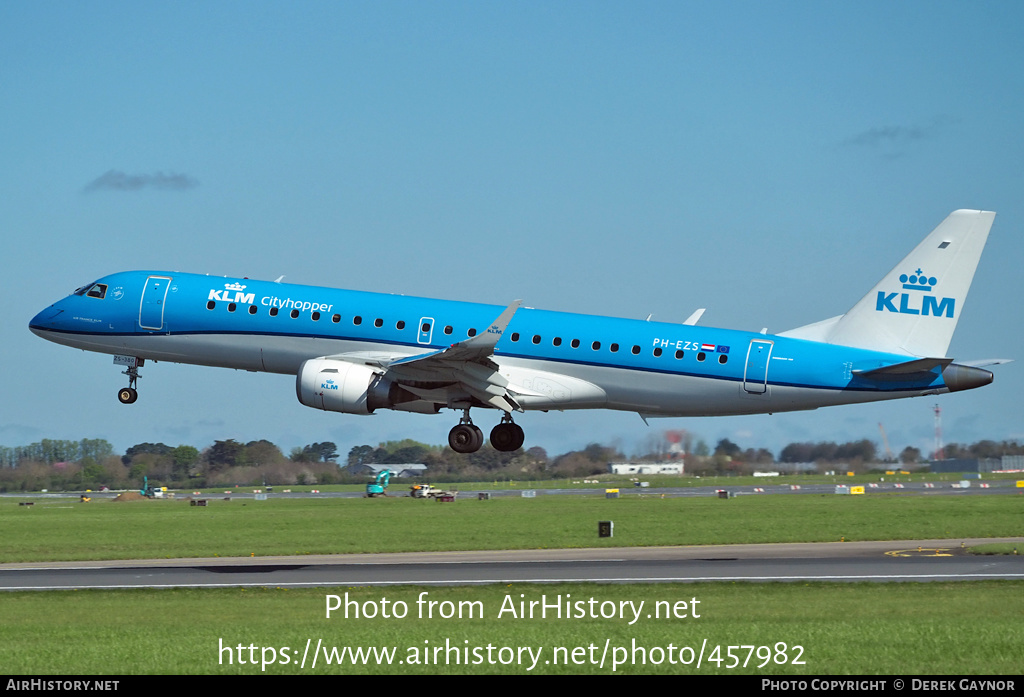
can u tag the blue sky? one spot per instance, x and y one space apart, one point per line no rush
768 161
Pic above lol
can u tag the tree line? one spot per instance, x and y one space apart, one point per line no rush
92 463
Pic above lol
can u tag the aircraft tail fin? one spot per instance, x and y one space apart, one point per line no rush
914 309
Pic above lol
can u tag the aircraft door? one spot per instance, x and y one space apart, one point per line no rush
426 330
755 375
151 309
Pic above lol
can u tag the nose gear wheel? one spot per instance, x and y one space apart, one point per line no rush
128 395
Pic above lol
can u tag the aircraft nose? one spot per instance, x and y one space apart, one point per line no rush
45 320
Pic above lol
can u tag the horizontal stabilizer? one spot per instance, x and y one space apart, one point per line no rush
985 362
921 365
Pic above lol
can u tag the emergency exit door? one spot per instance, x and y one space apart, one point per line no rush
755 376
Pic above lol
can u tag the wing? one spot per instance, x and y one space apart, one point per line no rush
477 349
459 373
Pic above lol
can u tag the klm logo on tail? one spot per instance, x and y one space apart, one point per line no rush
928 304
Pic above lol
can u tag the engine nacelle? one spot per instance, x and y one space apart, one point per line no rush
334 385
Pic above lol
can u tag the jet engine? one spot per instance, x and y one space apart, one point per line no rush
342 386
337 385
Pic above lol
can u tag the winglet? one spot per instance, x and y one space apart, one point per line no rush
489 339
477 348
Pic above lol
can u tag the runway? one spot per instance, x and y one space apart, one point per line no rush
893 561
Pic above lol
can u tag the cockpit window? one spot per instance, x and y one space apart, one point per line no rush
93 290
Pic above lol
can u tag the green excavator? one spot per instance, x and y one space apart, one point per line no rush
379 486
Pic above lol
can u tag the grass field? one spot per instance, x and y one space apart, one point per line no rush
773 629
831 629
104 529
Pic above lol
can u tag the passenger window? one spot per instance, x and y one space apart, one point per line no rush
315 316
657 352
210 305
596 345
575 343
723 359
515 336
232 307
378 322
636 350
472 332
336 319
614 348
557 341
701 356
357 320
679 353
252 310
536 338
273 312
401 325
448 329
295 314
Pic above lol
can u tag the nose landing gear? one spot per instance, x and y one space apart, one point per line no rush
128 395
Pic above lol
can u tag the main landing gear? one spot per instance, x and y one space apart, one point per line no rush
468 438
465 438
128 395
507 436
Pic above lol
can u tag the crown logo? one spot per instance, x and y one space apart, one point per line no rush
234 286
918 281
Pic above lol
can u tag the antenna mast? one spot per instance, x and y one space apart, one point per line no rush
889 457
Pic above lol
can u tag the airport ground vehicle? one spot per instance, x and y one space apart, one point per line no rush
379 486
428 491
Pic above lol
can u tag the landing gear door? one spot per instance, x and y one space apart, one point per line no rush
426 330
151 309
755 376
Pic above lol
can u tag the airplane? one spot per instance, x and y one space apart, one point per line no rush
357 352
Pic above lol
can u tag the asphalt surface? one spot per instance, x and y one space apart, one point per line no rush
912 560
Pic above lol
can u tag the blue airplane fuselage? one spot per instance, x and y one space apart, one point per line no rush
654 368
